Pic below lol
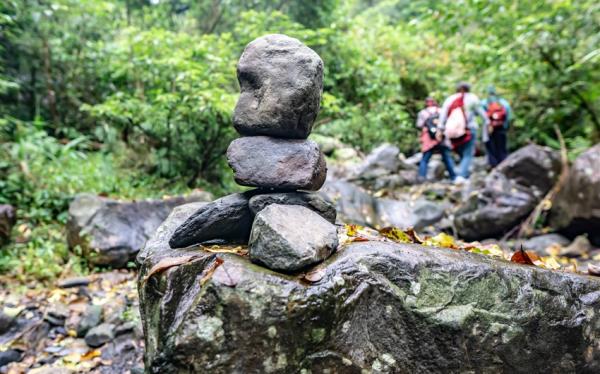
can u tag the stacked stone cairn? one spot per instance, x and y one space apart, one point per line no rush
287 228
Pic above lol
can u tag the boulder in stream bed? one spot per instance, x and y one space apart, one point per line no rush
111 232
576 209
371 307
510 193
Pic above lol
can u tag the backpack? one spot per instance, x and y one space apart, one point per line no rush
456 125
431 124
496 113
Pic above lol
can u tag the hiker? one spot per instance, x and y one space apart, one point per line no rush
432 139
499 114
457 118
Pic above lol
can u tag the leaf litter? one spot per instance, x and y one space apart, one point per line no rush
356 233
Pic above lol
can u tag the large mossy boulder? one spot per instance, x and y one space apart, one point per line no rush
374 307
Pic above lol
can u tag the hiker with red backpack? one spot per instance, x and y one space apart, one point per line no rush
499 114
457 119
432 139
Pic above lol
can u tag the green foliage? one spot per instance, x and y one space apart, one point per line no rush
172 92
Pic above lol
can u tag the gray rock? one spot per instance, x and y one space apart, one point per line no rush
8 218
6 322
313 201
394 181
111 232
281 81
539 243
510 193
416 214
57 314
383 160
99 335
374 307
288 238
8 356
74 282
355 205
284 164
576 209
90 319
228 218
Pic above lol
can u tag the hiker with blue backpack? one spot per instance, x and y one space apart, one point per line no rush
499 114
432 139
457 121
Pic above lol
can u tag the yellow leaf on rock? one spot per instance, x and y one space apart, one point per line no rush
441 240
91 354
351 230
396 235
550 263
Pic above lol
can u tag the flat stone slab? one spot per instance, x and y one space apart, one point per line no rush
281 81
283 164
289 238
373 307
228 218
312 201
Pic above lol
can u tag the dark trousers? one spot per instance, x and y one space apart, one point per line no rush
446 158
496 147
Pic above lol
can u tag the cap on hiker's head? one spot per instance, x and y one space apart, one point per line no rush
430 101
491 89
463 86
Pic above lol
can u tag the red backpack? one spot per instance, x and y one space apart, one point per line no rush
457 129
496 113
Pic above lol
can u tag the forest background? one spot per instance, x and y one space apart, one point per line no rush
133 98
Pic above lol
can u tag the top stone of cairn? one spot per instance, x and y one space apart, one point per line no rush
281 81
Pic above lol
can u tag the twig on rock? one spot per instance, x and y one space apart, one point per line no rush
526 227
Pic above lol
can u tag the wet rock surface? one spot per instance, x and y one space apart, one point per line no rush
355 205
288 238
541 243
380 307
227 218
312 201
509 194
281 81
283 164
8 218
111 232
576 209
99 335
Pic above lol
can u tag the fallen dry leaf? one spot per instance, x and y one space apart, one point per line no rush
314 275
210 271
351 230
239 250
396 234
169 262
91 354
521 257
